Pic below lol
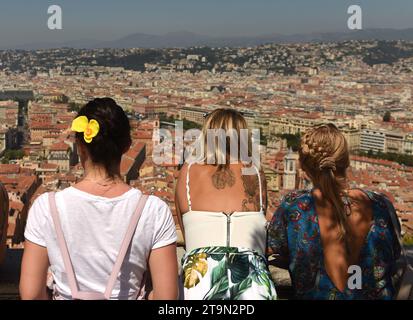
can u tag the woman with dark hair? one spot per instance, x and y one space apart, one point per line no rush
329 233
100 237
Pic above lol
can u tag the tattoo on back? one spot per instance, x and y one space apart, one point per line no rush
222 178
251 186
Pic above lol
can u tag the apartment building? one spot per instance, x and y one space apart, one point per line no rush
292 125
379 140
298 125
352 136
394 142
373 140
193 114
408 144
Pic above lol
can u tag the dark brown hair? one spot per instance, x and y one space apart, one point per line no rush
114 137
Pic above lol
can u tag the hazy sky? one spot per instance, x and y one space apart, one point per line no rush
25 21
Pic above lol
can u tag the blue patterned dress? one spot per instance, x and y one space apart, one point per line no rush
294 233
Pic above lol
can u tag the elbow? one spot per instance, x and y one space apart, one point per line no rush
27 293
172 293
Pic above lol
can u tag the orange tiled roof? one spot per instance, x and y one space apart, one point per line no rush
59 146
9 169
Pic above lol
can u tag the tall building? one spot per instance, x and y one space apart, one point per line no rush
290 171
4 214
374 140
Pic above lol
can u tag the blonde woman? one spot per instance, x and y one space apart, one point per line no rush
326 234
222 213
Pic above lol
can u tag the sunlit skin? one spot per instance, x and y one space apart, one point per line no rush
162 262
337 260
202 191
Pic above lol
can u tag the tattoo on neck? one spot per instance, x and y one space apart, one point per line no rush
222 178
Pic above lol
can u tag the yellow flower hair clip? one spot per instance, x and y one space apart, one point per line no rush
90 128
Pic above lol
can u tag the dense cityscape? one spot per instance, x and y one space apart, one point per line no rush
364 87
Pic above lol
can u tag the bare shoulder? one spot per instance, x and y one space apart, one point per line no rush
180 188
359 196
181 181
182 175
361 205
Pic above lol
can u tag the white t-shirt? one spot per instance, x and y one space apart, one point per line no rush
94 228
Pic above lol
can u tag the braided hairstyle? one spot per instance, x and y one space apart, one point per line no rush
324 156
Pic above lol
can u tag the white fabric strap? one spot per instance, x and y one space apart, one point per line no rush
188 193
260 186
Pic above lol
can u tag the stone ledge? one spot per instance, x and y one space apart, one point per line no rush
10 275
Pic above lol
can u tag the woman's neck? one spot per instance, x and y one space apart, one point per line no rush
98 172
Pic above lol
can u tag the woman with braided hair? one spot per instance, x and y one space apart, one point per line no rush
325 234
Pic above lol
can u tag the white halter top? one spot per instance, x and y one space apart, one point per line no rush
219 229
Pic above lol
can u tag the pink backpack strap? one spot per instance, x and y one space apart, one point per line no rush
125 246
76 294
63 246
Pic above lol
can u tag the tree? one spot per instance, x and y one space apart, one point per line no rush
387 116
74 107
12 155
293 140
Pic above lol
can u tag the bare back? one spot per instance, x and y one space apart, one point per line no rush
336 258
227 193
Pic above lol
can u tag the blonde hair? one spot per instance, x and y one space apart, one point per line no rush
231 122
324 156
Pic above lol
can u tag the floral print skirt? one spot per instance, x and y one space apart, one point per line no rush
226 273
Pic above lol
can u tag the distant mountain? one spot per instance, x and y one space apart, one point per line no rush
172 39
78 44
188 39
